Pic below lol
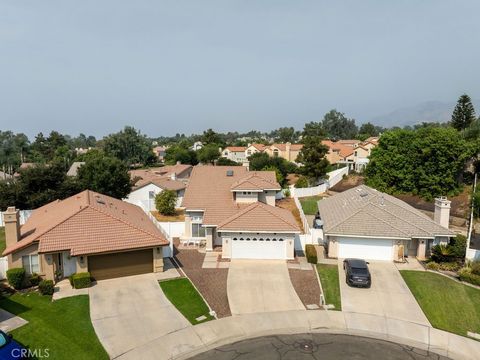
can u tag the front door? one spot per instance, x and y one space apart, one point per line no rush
69 264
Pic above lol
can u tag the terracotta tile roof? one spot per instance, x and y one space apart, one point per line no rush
162 182
363 211
255 182
161 176
209 189
164 171
89 223
261 217
340 148
236 148
259 147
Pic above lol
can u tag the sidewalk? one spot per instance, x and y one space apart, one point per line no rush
193 340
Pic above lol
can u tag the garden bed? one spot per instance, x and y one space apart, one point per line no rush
179 216
306 286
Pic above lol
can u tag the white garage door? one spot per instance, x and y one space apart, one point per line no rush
369 249
258 247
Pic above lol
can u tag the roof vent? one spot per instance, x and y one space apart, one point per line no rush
100 201
229 172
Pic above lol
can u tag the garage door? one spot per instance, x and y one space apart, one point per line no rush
259 247
369 249
120 264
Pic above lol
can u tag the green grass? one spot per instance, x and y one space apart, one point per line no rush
63 327
186 299
330 284
309 204
448 305
2 240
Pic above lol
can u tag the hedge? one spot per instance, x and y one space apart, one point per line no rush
81 280
34 279
469 277
46 287
311 254
16 277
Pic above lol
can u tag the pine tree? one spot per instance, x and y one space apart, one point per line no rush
463 114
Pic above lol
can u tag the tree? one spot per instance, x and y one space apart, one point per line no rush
106 175
463 114
208 154
211 137
165 202
313 129
312 156
178 153
226 162
260 161
338 126
129 146
278 174
286 134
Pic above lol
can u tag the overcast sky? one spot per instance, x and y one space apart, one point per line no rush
184 66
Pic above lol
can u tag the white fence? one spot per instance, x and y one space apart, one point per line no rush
473 254
173 229
24 215
3 267
311 236
334 178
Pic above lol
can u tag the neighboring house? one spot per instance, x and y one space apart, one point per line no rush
352 153
160 152
149 182
85 232
23 166
73 171
234 209
235 153
253 149
365 223
197 145
287 151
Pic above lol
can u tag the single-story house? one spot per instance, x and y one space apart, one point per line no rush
365 223
233 210
149 182
85 232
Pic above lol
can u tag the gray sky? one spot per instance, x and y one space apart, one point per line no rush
184 66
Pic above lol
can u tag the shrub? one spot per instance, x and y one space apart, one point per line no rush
302 182
442 253
432 265
311 254
165 202
46 287
34 279
70 279
475 267
467 276
458 246
449 266
16 277
81 280
286 193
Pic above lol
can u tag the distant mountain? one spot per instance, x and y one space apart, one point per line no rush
429 111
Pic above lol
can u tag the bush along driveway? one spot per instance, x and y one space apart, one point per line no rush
448 305
186 299
330 284
62 327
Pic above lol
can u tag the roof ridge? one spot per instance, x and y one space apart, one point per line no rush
238 214
269 207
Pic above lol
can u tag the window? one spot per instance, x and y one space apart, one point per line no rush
198 230
249 152
275 152
30 264
151 194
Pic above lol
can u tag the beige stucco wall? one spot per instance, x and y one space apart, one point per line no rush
82 266
188 226
267 197
47 268
422 248
209 238
157 259
332 247
242 198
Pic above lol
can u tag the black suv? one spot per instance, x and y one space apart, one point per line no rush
357 273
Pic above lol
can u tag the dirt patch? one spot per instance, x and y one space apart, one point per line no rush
305 284
179 216
289 204
349 182
212 283
292 179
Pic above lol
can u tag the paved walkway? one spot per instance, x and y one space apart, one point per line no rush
131 311
255 286
210 261
187 342
389 296
9 322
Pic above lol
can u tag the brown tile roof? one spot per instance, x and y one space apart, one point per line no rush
261 217
162 182
259 147
342 149
363 211
160 176
88 223
255 182
236 148
209 189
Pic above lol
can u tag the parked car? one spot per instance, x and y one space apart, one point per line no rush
357 273
318 224
10 349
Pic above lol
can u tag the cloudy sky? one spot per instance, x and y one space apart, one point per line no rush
184 66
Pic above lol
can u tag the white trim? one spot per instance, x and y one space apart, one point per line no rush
193 210
370 237
259 232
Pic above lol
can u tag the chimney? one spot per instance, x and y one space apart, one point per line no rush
12 226
288 145
173 176
442 211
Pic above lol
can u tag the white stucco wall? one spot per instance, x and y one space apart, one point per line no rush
141 196
246 198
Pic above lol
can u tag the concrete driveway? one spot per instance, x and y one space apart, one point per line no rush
255 286
131 311
389 295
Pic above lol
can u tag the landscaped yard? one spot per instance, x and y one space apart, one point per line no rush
63 327
2 239
186 299
448 305
330 284
310 204
179 216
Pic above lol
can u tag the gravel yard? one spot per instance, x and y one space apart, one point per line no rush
212 283
305 284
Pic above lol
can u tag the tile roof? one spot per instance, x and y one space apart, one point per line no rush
259 147
261 217
161 176
209 189
255 182
236 148
342 149
73 171
89 223
364 211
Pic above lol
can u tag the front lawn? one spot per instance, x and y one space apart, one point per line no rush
63 327
2 239
330 284
448 305
310 204
186 299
